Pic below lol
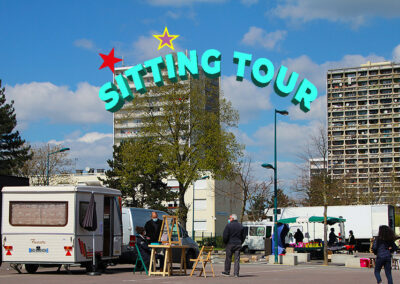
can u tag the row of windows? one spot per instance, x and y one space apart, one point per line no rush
385 71
371 151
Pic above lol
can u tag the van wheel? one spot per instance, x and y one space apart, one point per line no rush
31 268
246 250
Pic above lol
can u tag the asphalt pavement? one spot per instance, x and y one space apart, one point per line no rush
249 273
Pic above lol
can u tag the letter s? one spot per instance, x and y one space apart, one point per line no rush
108 93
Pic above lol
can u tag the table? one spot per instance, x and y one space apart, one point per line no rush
168 267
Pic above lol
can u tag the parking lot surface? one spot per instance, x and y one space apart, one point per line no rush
250 273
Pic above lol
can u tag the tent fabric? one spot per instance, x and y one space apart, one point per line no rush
312 219
90 221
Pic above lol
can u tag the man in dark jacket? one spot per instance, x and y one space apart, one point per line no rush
153 228
233 237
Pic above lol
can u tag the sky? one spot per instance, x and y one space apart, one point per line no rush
49 63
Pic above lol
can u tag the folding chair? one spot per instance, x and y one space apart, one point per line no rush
204 257
139 258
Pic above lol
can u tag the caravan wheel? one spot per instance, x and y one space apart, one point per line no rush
31 268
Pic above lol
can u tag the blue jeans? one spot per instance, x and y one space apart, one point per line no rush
386 262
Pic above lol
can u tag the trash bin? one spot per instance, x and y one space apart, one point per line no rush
268 246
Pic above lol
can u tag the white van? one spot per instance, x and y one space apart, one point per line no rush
41 225
137 217
256 233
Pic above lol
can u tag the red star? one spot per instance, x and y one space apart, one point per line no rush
109 60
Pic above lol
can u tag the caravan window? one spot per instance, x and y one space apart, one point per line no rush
39 213
257 231
83 206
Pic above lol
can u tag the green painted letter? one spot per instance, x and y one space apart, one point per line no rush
169 58
135 74
124 87
211 55
268 68
305 94
154 65
279 86
242 60
108 93
190 65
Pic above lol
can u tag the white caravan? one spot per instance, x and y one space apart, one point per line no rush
42 225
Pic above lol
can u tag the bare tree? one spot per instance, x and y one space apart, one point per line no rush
36 169
319 187
248 187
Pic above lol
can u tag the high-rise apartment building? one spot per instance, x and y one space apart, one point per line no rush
212 205
128 121
364 127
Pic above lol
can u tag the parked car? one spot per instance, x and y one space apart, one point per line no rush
137 217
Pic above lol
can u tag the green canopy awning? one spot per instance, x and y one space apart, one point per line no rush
288 220
312 219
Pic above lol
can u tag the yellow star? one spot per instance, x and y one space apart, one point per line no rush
166 39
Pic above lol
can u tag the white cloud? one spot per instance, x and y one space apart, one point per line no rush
258 37
246 97
92 149
36 101
146 47
85 44
290 136
355 12
249 2
177 3
396 53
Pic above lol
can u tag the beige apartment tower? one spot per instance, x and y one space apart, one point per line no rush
364 127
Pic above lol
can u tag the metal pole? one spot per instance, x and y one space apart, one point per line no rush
275 199
47 170
193 211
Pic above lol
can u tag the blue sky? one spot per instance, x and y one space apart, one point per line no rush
49 61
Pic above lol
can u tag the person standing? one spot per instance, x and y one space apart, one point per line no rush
383 248
233 237
352 242
298 236
153 227
332 237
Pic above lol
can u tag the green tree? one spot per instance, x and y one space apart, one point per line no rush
13 150
283 200
138 171
190 122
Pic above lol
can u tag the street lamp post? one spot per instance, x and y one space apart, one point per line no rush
204 177
48 161
269 166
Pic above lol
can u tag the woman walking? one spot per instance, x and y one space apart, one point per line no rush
383 247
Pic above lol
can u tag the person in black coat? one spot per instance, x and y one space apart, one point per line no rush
153 228
299 236
143 246
233 237
352 242
332 238
383 247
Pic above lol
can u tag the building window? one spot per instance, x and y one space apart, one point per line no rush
200 225
200 204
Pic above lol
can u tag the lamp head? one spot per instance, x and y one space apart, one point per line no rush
268 166
64 149
282 112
